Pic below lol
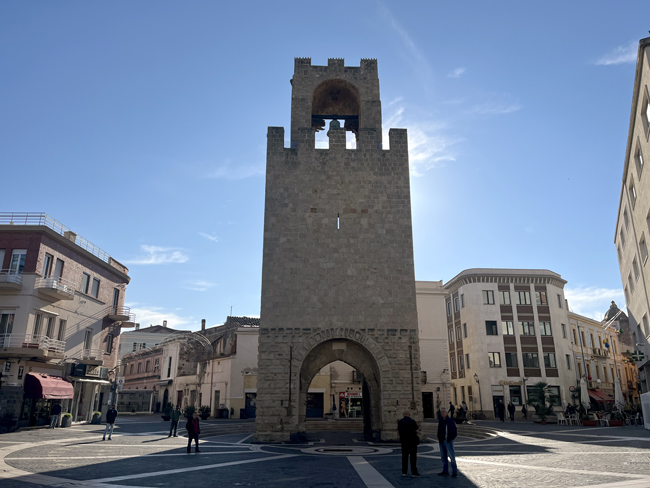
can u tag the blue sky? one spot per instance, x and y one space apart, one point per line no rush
142 126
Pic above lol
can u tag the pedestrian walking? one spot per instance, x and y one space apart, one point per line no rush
55 414
464 407
175 416
111 415
501 410
524 412
193 431
408 438
451 410
511 411
447 432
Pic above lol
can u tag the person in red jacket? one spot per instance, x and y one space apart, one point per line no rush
193 432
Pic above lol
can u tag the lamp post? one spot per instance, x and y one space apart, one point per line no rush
523 380
479 392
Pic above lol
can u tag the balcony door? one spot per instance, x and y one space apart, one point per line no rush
17 264
47 265
58 269
116 298
88 339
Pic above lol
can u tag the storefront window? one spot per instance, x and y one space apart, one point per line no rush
515 395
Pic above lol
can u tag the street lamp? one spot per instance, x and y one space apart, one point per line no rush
479 392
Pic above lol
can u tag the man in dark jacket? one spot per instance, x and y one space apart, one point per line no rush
407 429
501 410
56 413
193 432
511 411
175 416
111 415
447 432
451 410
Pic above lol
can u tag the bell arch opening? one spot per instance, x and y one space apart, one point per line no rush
336 99
369 381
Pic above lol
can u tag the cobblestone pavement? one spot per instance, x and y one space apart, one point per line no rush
141 454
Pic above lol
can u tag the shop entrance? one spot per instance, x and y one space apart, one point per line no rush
427 404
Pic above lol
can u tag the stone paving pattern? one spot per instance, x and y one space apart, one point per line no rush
525 454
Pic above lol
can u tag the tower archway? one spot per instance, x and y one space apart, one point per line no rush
361 359
336 99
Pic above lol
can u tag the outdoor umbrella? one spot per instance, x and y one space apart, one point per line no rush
584 394
618 395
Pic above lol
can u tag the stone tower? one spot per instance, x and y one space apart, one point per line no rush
337 281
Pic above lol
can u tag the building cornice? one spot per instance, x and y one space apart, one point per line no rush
504 276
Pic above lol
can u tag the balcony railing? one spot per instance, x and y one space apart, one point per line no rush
8 276
121 314
57 286
34 218
30 341
600 352
93 353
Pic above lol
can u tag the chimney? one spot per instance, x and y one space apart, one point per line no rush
164 323
202 325
137 326
68 234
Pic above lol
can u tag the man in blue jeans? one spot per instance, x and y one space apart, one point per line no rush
447 432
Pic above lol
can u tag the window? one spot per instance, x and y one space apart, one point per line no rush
545 328
568 362
504 297
461 363
62 326
85 283
527 328
6 322
453 364
139 367
626 219
559 301
134 346
38 324
523 297
507 327
109 343
467 361
459 335
643 247
575 337
515 395
635 268
169 368
531 359
465 331
455 396
131 369
49 327
147 367
511 360
88 339
456 304
627 295
646 328
462 393
47 265
451 336
449 308
563 331
17 263
95 290
495 359
632 193
620 255
488 297
622 237
491 327
549 360
540 296
630 282
462 301
470 397
555 396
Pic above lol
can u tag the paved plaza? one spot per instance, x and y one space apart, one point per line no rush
141 454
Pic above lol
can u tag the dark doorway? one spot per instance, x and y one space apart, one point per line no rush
495 400
427 405
165 398
250 409
315 405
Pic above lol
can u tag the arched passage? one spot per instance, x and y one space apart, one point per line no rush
358 357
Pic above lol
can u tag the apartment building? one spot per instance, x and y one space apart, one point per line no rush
61 312
435 381
632 230
598 355
506 329
138 338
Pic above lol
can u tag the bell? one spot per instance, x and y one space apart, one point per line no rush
335 124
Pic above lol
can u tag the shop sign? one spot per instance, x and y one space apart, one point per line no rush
510 383
497 390
93 371
78 370
350 394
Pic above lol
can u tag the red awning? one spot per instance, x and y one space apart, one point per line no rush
600 396
38 385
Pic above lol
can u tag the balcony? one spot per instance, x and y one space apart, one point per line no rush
19 345
121 314
10 280
92 356
56 288
603 353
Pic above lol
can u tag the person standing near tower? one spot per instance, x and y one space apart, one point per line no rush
408 438
447 432
193 431
111 415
